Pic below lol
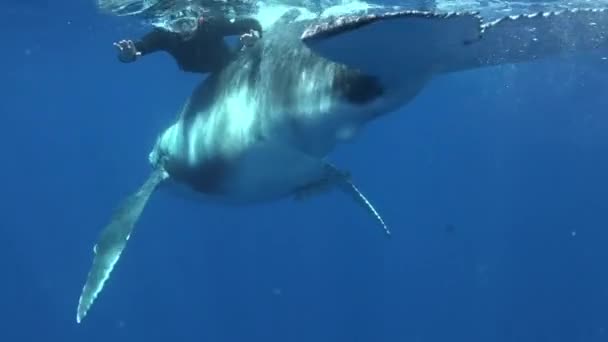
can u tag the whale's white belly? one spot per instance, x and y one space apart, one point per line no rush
268 171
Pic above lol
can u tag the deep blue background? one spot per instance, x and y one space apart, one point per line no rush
493 181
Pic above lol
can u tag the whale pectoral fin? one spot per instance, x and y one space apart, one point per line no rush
113 240
393 44
349 188
423 42
334 177
343 181
526 38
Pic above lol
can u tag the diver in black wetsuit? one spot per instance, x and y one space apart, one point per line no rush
203 50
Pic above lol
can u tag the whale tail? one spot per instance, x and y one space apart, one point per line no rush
113 240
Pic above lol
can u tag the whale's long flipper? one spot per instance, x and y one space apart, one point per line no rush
405 43
342 181
113 240
526 38
345 184
423 42
349 188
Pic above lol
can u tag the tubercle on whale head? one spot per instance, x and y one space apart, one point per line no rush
157 153
166 146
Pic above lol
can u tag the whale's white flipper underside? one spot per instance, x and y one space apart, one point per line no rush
421 41
113 240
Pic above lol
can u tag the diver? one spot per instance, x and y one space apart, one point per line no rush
201 49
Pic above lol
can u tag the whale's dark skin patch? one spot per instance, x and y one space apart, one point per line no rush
207 178
358 88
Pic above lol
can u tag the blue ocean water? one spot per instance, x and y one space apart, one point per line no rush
493 181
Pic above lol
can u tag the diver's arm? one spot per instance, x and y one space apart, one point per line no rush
239 26
156 40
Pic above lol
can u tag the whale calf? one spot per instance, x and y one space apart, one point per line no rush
262 128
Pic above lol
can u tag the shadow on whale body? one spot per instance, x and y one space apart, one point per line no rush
262 128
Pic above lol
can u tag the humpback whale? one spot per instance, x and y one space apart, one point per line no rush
263 127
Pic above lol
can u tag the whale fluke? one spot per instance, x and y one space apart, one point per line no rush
113 240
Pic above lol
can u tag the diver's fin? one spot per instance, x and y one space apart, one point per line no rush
344 183
113 240
424 42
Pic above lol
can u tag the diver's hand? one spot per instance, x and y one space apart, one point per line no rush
126 51
248 39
